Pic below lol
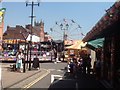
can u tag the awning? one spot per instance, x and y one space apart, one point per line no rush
78 44
96 43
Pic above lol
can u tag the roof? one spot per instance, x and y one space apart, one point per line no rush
105 24
20 32
35 30
15 33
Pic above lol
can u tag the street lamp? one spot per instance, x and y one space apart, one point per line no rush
64 27
51 43
31 4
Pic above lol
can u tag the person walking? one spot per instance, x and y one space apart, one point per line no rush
19 57
98 69
88 64
44 56
84 63
72 67
36 64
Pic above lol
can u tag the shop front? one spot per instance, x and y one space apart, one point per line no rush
10 48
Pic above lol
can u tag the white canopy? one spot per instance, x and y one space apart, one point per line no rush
77 45
34 38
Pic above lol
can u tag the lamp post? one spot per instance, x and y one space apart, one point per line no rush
64 27
32 5
51 43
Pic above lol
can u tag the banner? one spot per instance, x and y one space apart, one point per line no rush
2 12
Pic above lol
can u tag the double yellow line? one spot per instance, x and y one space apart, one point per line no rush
35 81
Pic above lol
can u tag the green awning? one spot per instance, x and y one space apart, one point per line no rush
96 43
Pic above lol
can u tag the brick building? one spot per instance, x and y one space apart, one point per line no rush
17 35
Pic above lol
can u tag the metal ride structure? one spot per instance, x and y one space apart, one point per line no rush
66 29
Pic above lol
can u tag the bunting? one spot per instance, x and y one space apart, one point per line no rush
82 34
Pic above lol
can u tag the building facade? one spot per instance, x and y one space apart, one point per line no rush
40 28
18 34
108 28
1 35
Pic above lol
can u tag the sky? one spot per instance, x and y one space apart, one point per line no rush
84 14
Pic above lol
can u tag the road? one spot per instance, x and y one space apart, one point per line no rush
56 69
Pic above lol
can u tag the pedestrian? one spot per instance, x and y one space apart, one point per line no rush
19 57
94 68
44 56
36 62
76 64
72 68
84 63
68 66
98 69
88 64
80 64
55 54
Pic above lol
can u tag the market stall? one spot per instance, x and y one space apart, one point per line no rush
75 49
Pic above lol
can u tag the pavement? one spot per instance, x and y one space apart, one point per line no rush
26 80
12 79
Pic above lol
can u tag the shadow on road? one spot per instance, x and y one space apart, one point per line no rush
77 81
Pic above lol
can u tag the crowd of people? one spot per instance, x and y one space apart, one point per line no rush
83 65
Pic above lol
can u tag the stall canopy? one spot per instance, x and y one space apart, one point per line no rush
96 43
78 44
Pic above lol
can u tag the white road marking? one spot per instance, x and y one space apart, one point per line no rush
53 77
59 70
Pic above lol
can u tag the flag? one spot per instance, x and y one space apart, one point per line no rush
73 21
79 26
2 11
65 21
51 29
56 23
82 34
